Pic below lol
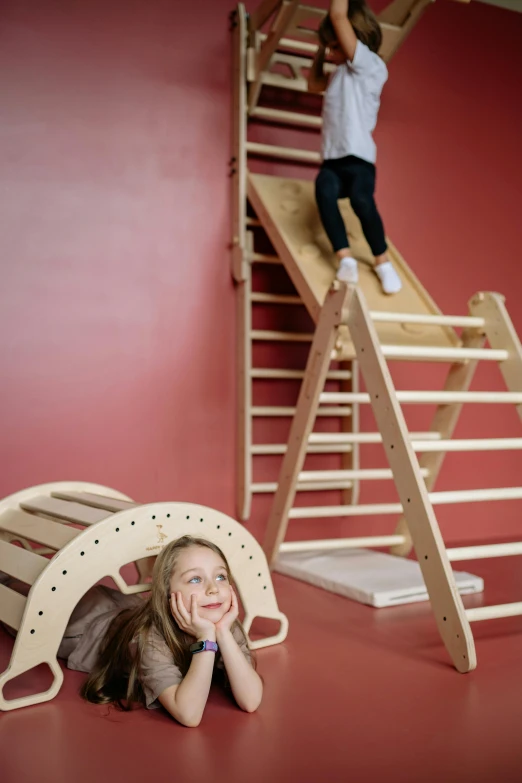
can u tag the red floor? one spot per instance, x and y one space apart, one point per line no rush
354 693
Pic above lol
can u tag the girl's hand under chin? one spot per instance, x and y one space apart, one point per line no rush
190 621
230 617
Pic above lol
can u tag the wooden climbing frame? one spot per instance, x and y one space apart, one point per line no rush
93 532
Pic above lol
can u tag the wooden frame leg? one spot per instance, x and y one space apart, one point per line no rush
429 546
334 309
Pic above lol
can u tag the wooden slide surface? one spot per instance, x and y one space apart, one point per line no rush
288 212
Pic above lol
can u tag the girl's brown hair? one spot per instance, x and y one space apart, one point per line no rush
115 678
364 23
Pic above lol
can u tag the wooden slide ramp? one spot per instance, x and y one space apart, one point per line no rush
288 212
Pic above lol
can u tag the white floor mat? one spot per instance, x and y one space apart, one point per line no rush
369 577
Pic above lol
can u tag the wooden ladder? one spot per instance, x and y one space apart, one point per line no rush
346 320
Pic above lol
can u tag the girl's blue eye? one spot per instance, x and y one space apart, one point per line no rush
195 579
222 576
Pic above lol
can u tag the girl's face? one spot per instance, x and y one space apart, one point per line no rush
201 572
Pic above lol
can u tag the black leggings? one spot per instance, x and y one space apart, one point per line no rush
351 178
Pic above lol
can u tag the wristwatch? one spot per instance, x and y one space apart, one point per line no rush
202 646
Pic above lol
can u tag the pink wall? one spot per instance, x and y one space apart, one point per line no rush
117 308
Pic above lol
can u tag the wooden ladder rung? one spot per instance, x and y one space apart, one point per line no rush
12 606
287 153
63 509
468 321
308 486
285 337
276 299
42 531
428 397
272 410
341 543
287 117
481 551
436 353
276 373
21 563
494 612
96 501
273 449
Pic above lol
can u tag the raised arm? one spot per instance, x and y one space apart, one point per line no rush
343 29
317 79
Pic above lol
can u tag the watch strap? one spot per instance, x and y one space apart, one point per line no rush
202 646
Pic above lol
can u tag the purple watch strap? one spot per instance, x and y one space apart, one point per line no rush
202 646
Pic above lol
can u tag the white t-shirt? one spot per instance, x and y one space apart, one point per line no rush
351 104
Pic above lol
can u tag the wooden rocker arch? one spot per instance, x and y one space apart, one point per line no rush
94 531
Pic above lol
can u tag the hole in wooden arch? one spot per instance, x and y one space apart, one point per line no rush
31 683
263 627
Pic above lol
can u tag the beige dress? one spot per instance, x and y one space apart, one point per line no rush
91 619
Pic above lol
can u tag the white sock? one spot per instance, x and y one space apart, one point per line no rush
348 272
390 280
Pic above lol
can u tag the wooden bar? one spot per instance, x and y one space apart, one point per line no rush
12 606
277 299
63 509
436 499
290 412
287 117
20 563
31 528
484 551
330 544
286 153
276 373
238 167
362 474
244 392
429 397
96 501
284 337
273 449
338 438
379 316
263 258
435 354
473 444
494 612
309 486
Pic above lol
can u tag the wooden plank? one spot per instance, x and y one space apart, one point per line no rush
420 517
32 528
244 393
20 563
288 211
96 501
303 421
12 606
63 509
238 162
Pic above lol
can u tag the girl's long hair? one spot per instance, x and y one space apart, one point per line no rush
364 22
115 677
